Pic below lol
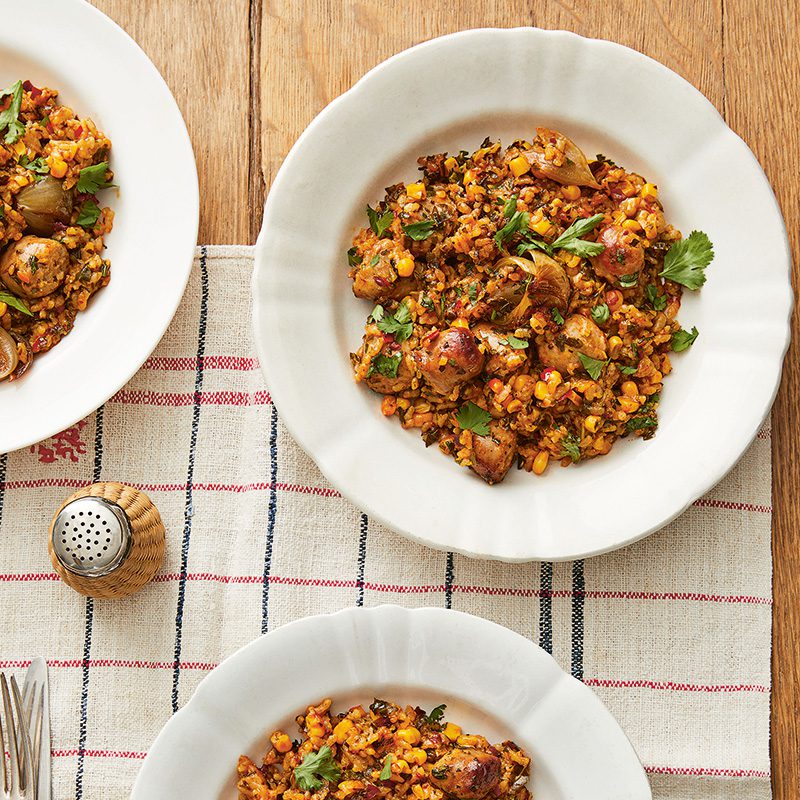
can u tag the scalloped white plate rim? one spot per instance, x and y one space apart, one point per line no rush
359 491
124 322
516 688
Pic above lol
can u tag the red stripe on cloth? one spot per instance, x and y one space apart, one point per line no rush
675 687
181 399
707 502
188 364
707 772
98 753
111 662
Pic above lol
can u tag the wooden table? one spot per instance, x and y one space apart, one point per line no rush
250 75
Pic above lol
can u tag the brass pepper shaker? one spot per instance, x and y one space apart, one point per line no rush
107 540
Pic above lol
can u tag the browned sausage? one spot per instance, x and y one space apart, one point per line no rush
502 359
621 256
34 267
466 773
376 277
578 334
386 384
451 360
494 454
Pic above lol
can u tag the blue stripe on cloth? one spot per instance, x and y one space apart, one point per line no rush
449 577
189 510
362 559
546 607
272 514
88 622
3 468
578 599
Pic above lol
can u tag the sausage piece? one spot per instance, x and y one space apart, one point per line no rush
34 267
467 773
578 334
376 277
451 360
494 454
621 256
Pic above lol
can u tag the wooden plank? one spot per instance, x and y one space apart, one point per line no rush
762 76
203 52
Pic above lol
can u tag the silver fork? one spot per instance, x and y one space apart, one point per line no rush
19 781
36 703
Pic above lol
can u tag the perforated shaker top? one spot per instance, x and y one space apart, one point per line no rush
91 536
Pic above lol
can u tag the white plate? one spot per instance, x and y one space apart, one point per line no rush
425 656
448 94
101 73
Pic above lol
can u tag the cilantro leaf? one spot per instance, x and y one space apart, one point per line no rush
640 423
473 418
352 257
419 230
377 313
600 313
436 713
686 260
10 117
386 772
386 365
625 370
398 324
519 221
36 165
683 340
533 244
88 214
15 302
556 315
594 366
379 223
570 446
316 769
92 179
572 242
516 344
510 206
658 301
626 281
472 291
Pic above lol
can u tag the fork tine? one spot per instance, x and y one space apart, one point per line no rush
27 768
28 699
12 735
6 778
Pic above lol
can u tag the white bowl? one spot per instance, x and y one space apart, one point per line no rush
494 682
101 73
448 94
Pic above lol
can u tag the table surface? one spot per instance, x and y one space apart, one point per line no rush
249 76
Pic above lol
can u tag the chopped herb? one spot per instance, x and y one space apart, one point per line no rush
9 118
399 324
33 265
386 772
601 157
419 230
45 120
436 714
377 313
620 256
88 214
510 206
316 769
516 344
427 302
473 418
379 223
519 221
386 365
639 423
625 370
472 291
570 446
458 290
683 340
600 313
594 366
14 302
572 242
686 260
375 259
626 281
439 772
494 315
658 301
92 179
2 212
533 244
104 271
36 165
352 257
556 315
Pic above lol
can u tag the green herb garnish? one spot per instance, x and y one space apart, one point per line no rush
510 206
600 313
625 370
418 231
626 281
686 260
92 179
386 772
379 223
9 118
436 713
593 366
683 340
473 418
33 265
88 214
398 324
472 291
570 446
15 302
658 301
571 240
516 344
316 769
386 365
556 315
517 223
352 257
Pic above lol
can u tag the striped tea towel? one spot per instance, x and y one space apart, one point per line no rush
673 632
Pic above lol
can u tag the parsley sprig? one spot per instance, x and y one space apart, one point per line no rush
398 324
9 118
386 772
594 366
15 302
316 769
686 260
471 417
570 240
379 222
385 365
419 230
570 446
683 340
93 179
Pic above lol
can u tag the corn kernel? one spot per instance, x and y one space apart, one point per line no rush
614 343
469 176
345 726
281 742
460 323
541 391
415 191
496 385
571 192
630 389
649 190
540 462
347 788
416 756
58 167
542 227
3 309
519 165
632 225
409 735
388 407
513 406
554 378
450 163
19 147
405 267
628 405
451 731
591 422
468 740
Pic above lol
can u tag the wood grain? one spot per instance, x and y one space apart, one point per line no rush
249 75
